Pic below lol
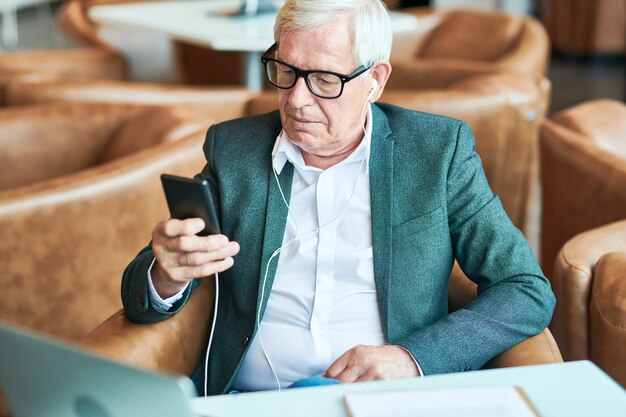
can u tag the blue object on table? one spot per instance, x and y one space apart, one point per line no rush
314 381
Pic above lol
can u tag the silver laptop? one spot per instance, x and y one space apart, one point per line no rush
45 378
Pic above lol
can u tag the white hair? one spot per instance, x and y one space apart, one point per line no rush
371 27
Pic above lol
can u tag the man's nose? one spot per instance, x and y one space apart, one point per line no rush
300 95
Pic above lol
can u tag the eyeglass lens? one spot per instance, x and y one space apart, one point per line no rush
320 83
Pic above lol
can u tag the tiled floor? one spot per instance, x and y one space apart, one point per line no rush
574 79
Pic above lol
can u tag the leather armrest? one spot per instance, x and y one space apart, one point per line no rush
607 316
174 345
536 350
531 53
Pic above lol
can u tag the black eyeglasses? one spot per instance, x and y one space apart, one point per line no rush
323 84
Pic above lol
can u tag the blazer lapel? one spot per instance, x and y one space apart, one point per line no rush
275 224
381 189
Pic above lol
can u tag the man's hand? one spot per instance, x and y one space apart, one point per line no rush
182 256
368 363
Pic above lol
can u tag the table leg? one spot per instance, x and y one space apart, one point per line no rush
254 71
9 25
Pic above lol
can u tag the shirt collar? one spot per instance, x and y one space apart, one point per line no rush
285 150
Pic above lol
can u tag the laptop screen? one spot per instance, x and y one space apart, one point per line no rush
44 377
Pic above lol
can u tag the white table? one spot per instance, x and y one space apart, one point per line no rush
572 389
211 24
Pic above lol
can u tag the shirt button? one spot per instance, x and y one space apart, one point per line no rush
245 341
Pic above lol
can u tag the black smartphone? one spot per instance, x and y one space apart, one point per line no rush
187 198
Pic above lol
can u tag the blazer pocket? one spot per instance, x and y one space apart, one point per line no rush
411 227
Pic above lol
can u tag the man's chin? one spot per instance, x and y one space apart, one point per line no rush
299 136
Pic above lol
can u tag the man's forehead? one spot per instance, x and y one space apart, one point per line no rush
316 48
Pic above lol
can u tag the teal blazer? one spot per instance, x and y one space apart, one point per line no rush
431 204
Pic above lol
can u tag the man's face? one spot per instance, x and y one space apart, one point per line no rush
323 128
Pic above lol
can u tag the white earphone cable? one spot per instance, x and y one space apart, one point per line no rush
208 349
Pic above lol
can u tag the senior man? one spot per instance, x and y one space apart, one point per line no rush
346 217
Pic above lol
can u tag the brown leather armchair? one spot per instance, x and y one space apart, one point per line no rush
79 194
157 346
589 282
583 172
450 43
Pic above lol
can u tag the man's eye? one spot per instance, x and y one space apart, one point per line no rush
325 79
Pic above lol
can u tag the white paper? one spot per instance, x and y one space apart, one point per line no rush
498 401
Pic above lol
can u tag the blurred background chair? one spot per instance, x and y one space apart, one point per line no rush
216 103
583 172
589 282
79 195
77 64
586 26
452 42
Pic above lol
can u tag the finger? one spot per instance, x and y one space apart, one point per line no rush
338 366
201 257
174 227
348 367
187 244
191 272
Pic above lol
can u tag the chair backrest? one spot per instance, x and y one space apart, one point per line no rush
214 103
53 140
68 64
583 172
472 35
469 37
589 320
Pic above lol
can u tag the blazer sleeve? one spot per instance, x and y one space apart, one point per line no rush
514 297
135 291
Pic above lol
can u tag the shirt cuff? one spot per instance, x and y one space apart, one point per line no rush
419 368
158 303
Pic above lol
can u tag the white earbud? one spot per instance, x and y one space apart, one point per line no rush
372 90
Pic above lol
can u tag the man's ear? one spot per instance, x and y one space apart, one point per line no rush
380 72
